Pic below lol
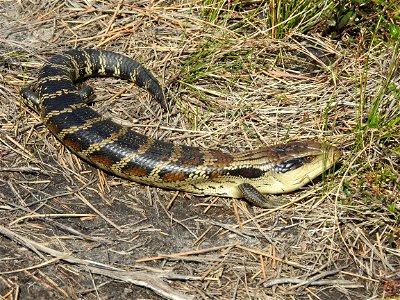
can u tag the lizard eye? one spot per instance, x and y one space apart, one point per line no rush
308 158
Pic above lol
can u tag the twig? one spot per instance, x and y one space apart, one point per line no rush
23 170
284 280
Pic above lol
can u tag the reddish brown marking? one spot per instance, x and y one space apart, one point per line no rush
216 174
174 176
103 160
220 159
74 145
190 157
195 161
53 128
136 171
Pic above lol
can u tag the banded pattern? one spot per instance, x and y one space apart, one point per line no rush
117 149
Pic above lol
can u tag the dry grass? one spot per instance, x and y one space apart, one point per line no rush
71 231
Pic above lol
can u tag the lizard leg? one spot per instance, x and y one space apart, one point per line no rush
252 195
31 98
